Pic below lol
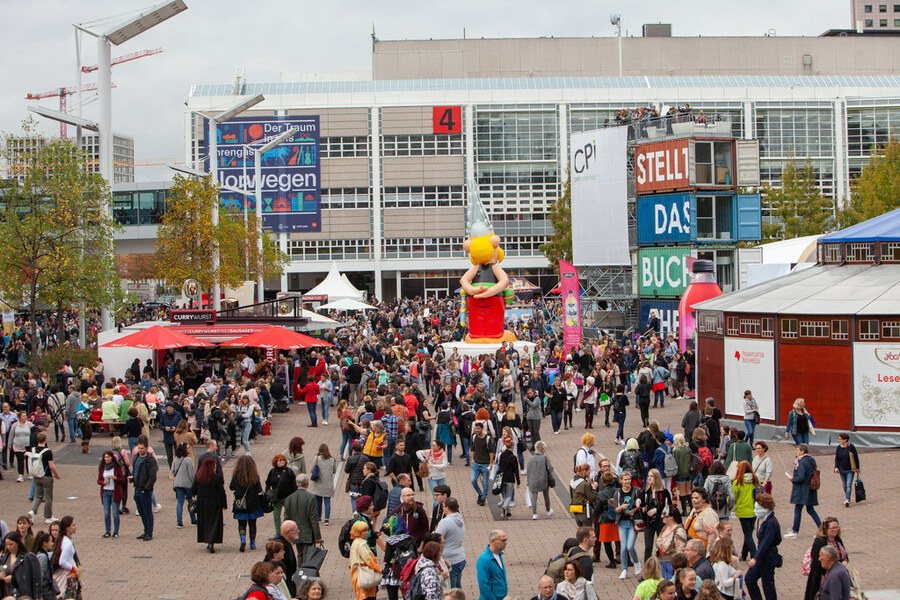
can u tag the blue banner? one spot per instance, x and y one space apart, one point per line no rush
291 177
665 219
666 311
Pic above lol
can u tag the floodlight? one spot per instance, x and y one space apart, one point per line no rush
144 21
239 108
188 171
614 19
280 138
65 118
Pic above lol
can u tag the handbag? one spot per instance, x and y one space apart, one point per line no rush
859 490
576 509
497 485
316 472
422 471
266 503
756 418
639 524
192 505
367 577
240 505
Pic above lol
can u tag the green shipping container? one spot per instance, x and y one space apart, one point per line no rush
663 272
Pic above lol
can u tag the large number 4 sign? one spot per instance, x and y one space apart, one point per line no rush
447 119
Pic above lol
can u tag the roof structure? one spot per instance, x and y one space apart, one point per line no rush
884 228
335 287
856 289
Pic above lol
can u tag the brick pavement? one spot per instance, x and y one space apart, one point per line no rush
174 566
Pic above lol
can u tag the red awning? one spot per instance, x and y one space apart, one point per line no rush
220 333
277 338
158 337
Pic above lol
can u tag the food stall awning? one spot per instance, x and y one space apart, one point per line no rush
219 333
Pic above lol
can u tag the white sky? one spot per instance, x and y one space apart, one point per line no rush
267 37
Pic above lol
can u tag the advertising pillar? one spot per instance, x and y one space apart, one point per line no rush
570 294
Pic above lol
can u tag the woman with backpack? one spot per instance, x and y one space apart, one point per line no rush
799 423
721 494
632 461
583 493
671 540
657 502
321 483
281 482
642 397
400 548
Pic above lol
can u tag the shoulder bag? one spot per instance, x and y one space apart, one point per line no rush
240 504
316 472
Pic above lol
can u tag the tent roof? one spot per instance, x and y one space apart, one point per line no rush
802 249
857 289
335 287
346 304
884 228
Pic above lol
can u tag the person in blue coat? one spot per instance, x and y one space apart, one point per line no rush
766 559
801 495
491 570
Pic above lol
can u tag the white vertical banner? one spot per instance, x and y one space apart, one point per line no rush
749 365
599 175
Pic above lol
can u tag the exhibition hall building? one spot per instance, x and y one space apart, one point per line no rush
389 152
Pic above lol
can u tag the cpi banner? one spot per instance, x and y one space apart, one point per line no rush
570 294
290 172
600 192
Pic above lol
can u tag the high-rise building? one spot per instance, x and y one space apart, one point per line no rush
123 153
874 16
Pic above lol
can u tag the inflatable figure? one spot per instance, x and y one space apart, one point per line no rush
486 283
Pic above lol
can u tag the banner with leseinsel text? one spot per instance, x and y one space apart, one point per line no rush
570 295
291 177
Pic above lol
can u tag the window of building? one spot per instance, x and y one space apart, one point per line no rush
770 172
789 329
422 145
423 196
897 8
882 22
709 324
345 198
785 132
345 146
768 327
868 8
890 251
840 330
869 23
715 217
860 252
882 8
525 135
870 128
732 326
750 326
868 329
814 329
890 329
832 253
725 266
712 162
896 22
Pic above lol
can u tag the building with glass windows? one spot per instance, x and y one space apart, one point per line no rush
123 153
393 183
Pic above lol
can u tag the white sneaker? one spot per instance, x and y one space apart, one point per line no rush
324 422
637 571
20 479
534 516
511 504
550 513
157 508
554 433
523 472
50 520
790 534
31 515
623 574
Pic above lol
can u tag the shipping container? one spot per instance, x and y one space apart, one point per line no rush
691 163
698 218
663 272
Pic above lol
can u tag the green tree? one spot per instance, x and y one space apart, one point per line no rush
559 245
58 231
798 206
877 189
187 237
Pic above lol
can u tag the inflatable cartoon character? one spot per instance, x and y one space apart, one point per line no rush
486 283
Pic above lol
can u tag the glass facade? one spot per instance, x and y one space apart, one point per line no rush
140 207
869 128
798 132
525 135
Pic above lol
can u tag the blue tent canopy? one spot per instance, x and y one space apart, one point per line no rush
885 228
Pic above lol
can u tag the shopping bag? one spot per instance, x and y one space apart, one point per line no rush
859 490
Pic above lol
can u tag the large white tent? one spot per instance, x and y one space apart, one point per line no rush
336 287
346 304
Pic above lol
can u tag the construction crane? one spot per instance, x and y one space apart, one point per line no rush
66 91
125 58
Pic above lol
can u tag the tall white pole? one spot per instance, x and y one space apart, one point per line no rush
214 172
82 309
104 90
257 168
619 33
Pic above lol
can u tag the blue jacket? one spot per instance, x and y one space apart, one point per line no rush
491 577
167 420
800 492
768 537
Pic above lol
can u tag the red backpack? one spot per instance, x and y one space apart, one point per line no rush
706 457
406 575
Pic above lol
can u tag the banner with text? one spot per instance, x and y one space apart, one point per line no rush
291 177
600 197
876 383
750 365
570 295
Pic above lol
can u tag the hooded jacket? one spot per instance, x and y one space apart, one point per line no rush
454 530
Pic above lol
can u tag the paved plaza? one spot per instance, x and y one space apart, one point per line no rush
174 566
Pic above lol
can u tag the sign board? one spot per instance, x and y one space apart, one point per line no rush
192 316
143 291
290 172
749 365
661 166
666 311
663 272
665 219
876 384
446 119
599 187
570 294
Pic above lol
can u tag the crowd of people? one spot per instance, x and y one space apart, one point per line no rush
409 412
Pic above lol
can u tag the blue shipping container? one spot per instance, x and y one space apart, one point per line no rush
672 219
665 219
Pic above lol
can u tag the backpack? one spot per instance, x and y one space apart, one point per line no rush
815 480
696 464
670 465
415 591
706 457
36 463
718 499
407 574
401 559
379 499
344 537
557 565
255 588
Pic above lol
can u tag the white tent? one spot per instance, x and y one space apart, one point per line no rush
335 287
352 287
317 321
346 304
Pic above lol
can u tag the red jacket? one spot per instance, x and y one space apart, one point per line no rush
310 392
119 489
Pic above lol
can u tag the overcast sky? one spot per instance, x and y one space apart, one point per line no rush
208 41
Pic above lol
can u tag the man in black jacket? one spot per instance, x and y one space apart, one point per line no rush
144 478
289 534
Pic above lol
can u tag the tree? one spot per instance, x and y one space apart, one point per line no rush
798 206
559 245
187 237
877 189
58 230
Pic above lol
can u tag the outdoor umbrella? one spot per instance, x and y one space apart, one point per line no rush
346 304
277 338
157 337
